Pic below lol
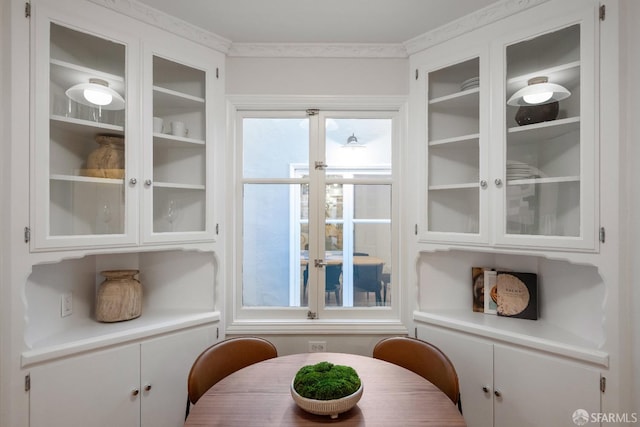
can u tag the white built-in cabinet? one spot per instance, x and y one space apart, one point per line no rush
502 385
524 197
490 180
125 185
140 384
105 176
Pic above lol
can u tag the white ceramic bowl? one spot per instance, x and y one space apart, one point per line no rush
332 407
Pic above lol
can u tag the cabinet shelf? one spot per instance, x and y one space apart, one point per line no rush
455 97
86 179
567 75
85 127
168 141
474 137
67 74
174 185
544 130
89 334
453 186
176 100
552 180
539 334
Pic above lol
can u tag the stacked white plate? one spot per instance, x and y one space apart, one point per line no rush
471 83
519 170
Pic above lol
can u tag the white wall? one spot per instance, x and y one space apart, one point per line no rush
630 103
317 76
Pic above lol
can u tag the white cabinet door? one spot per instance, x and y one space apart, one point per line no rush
96 389
83 152
538 390
473 360
182 120
166 362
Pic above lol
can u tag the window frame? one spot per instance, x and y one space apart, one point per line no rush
291 320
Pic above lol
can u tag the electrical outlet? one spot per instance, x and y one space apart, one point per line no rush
317 346
66 304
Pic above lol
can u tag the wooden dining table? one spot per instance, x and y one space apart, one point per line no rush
260 395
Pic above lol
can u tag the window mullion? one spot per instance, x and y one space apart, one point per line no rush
316 207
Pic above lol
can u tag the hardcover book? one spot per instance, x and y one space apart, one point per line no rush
517 294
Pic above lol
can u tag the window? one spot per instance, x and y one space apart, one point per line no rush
315 233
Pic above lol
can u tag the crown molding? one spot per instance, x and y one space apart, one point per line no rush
154 17
318 50
480 18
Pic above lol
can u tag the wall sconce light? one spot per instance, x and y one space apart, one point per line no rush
96 93
538 91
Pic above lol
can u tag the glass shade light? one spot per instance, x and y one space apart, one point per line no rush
538 91
96 93
352 142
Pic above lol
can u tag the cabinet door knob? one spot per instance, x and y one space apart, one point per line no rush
135 392
133 181
147 387
483 183
498 182
497 393
485 389
148 183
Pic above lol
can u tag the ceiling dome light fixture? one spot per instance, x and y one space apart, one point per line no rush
539 91
96 93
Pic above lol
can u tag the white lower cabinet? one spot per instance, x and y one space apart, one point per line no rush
505 386
140 384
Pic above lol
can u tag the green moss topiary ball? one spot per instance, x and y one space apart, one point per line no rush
326 381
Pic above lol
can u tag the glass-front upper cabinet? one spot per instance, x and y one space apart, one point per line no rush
549 169
456 126
81 157
179 86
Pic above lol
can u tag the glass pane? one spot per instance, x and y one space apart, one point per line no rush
372 202
86 134
544 209
273 147
543 135
453 115
358 142
274 262
371 264
179 147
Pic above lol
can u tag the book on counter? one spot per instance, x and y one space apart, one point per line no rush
505 293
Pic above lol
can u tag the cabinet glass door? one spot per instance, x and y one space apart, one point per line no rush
453 147
81 157
179 148
543 188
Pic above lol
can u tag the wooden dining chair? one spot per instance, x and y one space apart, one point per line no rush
223 359
424 359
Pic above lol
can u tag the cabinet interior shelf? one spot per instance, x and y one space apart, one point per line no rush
88 127
474 137
567 75
552 180
167 140
90 334
178 186
453 186
549 129
455 97
67 74
86 179
538 334
163 96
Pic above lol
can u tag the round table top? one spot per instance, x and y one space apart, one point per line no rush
259 395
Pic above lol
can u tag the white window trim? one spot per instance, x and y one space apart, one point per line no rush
260 320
